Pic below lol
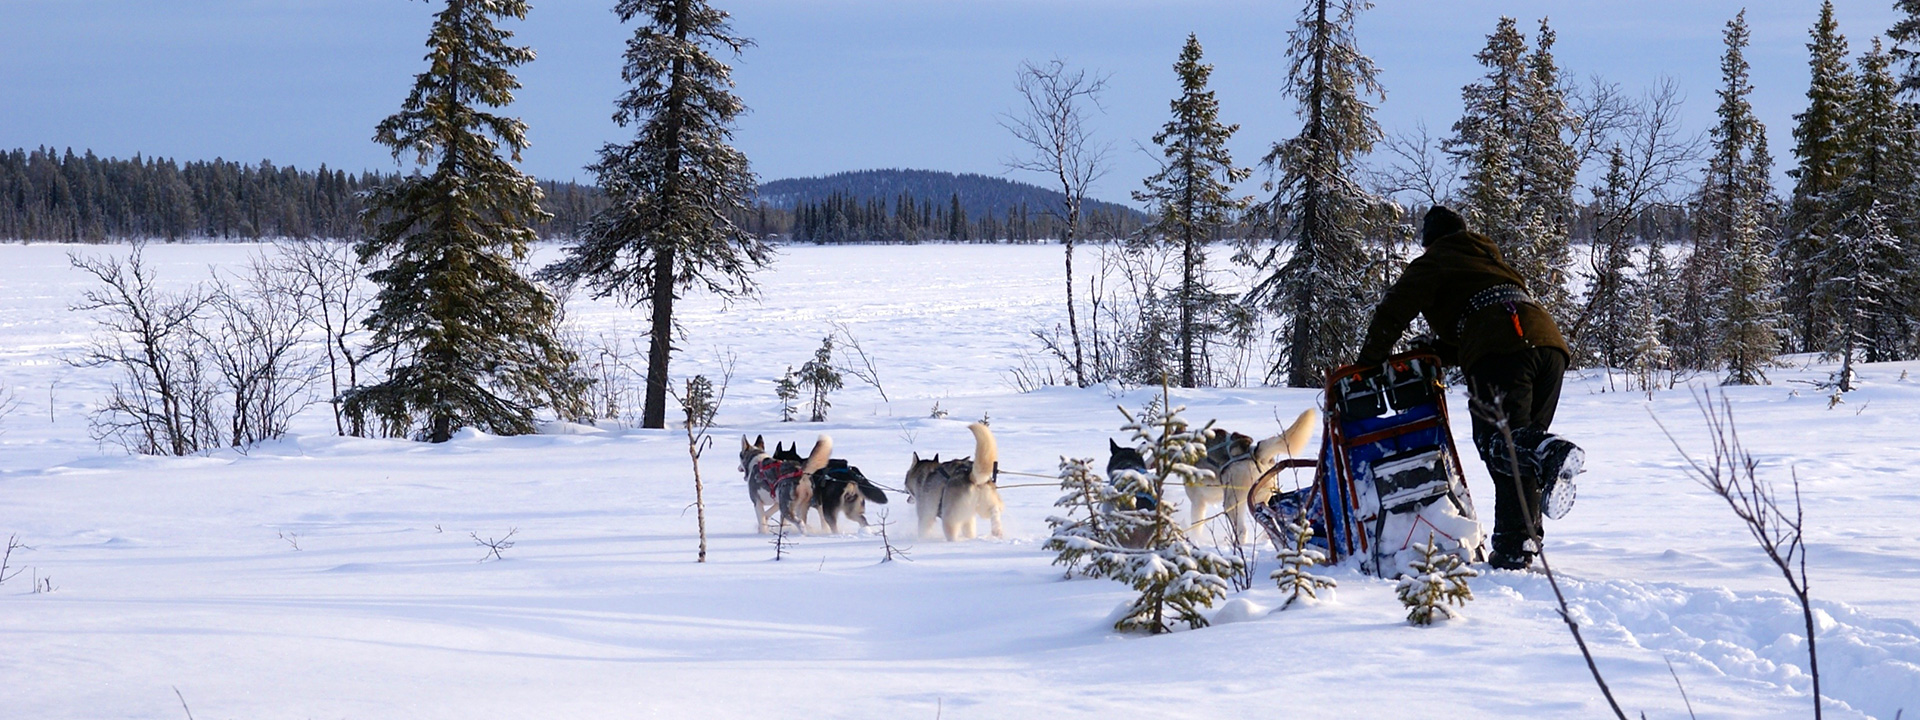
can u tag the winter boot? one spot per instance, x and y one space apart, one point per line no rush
1510 555
1557 462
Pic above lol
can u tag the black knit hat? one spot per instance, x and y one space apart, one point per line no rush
1440 222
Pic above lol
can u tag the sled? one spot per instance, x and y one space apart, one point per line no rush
1388 477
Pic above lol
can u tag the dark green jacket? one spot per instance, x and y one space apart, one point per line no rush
1438 284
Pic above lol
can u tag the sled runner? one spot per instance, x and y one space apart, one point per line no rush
1388 476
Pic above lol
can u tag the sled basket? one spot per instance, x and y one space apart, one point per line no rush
1389 476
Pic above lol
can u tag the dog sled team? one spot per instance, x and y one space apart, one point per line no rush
951 497
1387 475
954 494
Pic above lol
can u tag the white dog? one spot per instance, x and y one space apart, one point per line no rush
957 493
1238 464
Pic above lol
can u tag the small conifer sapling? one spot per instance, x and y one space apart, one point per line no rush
1437 583
1296 559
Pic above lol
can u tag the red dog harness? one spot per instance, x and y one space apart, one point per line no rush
773 473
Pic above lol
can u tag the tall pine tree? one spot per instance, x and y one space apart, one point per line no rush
1485 139
1321 291
1874 204
1731 309
1548 168
675 189
473 340
1192 197
1819 142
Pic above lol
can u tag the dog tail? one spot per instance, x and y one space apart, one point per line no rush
817 460
986 453
1300 432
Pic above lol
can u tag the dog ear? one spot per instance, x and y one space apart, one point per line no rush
1112 447
759 441
744 445
936 458
916 457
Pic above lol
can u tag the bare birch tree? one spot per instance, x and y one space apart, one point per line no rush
1052 127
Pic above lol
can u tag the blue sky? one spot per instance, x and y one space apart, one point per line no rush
833 84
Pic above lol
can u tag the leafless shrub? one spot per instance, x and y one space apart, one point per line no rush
291 538
1418 167
9 402
1731 473
781 545
494 546
6 558
617 385
253 335
163 403
850 350
326 278
886 541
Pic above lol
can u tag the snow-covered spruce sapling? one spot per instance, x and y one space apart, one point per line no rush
1437 584
820 377
788 390
1296 558
1092 506
1172 575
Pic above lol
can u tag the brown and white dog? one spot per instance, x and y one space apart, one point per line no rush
957 493
1238 463
781 480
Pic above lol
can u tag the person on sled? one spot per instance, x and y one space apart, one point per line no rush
1514 357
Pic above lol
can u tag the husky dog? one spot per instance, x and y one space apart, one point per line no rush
780 480
957 493
1238 463
840 490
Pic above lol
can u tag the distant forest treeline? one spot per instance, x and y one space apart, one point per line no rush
66 197
60 196
920 205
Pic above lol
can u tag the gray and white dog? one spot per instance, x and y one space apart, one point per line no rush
781 480
957 493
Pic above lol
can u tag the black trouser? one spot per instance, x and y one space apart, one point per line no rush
1525 387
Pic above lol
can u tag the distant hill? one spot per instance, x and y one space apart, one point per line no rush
980 195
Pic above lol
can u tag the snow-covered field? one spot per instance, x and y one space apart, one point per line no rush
320 577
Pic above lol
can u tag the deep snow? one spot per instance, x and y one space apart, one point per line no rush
183 572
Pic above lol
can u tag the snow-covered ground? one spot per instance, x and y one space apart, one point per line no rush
320 577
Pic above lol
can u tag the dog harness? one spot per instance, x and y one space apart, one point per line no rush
774 473
1509 295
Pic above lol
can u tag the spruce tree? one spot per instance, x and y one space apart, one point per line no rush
1295 576
474 340
1321 292
1859 284
1819 141
1098 516
1875 204
1730 313
1192 197
1437 584
674 190
1171 574
1485 140
1548 167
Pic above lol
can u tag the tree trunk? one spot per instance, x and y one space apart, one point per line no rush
660 340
